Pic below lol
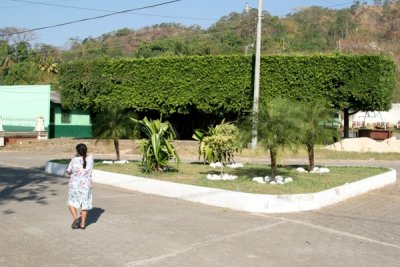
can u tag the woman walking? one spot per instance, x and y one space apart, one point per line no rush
80 186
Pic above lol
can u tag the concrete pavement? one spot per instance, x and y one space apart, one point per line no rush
127 228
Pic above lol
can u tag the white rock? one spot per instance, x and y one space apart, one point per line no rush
320 170
267 178
228 177
216 164
121 161
288 180
272 182
300 169
258 180
278 178
279 182
213 177
224 177
235 165
108 162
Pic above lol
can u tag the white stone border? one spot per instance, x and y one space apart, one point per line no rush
262 203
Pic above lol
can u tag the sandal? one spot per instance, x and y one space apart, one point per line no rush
75 224
82 227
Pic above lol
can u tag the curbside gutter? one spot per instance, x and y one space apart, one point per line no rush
249 202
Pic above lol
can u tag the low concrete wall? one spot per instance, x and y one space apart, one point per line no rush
55 168
262 203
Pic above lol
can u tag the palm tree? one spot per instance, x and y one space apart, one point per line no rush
317 116
157 149
279 125
113 124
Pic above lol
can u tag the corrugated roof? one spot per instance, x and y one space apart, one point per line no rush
55 97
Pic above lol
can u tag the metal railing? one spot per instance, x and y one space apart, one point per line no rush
19 120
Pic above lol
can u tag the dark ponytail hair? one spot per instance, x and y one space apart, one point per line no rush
81 149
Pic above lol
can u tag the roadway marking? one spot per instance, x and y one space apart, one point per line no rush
330 230
201 244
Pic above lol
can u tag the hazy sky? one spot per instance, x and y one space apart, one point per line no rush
32 14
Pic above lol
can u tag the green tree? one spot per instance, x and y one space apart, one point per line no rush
6 61
279 123
113 124
313 24
316 119
342 26
22 52
23 73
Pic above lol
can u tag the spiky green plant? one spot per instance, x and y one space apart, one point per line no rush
157 149
199 135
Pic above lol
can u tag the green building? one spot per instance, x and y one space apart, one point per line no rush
22 105
68 123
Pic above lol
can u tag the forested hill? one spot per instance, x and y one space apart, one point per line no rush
359 29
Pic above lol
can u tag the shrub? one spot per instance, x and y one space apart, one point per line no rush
219 144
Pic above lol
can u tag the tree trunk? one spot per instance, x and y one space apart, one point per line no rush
346 123
116 146
273 154
311 163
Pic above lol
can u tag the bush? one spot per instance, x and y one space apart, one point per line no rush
219 144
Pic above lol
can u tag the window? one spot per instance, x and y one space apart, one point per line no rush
65 116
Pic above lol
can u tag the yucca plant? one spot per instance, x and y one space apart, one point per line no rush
157 149
199 136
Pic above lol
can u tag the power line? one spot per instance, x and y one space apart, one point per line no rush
326 1
332 4
103 10
341 4
92 18
3 7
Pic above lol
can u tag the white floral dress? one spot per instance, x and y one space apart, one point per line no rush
80 183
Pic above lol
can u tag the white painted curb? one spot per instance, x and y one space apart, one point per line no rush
237 200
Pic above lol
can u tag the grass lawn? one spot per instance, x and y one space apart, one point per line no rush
195 174
322 154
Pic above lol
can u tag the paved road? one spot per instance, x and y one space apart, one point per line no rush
132 229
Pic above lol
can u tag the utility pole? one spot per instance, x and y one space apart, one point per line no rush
256 79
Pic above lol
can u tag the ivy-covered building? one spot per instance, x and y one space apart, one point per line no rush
21 106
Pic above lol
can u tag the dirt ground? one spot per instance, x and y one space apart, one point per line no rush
187 149
364 144
67 145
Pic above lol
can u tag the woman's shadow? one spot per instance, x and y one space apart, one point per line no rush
93 215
